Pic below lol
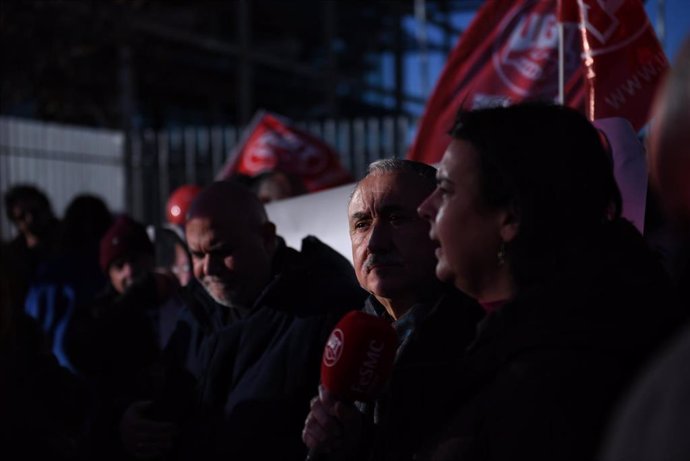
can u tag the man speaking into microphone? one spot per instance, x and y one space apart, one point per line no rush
395 262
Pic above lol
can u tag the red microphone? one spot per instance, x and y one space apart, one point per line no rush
358 357
357 360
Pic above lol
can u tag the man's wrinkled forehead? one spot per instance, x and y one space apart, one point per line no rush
373 187
385 191
368 198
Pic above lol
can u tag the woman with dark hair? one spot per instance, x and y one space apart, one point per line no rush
527 217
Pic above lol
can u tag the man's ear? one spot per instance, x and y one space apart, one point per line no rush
268 236
509 222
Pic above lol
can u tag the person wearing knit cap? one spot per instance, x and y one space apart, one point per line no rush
116 339
126 253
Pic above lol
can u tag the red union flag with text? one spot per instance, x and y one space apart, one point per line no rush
508 54
272 143
623 59
612 64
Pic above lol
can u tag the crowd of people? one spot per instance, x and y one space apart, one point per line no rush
534 322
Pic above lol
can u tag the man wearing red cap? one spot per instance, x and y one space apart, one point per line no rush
130 307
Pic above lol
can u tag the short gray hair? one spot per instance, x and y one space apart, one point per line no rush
394 165
390 165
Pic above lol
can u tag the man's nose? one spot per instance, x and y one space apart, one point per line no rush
127 270
380 238
213 264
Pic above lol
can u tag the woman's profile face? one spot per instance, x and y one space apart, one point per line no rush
468 233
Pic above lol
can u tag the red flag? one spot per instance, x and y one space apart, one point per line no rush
568 11
623 59
509 53
272 143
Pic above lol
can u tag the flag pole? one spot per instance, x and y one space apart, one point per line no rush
560 15
561 65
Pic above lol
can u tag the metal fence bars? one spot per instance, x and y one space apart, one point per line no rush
137 174
63 161
164 160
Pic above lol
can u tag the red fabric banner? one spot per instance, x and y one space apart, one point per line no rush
509 53
271 143
623 59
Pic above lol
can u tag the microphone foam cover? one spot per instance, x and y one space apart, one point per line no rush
358 357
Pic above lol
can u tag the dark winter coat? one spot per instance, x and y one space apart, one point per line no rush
432 336
113 343
314 280
43 407
61 285
114 340
545 370
257 371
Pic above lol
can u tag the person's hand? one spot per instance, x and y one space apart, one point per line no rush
332 426
144 438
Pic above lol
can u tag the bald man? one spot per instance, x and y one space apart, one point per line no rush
258 316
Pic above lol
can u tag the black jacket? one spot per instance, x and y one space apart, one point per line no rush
314 280
432 336
43 407
113 340
257 370
540 379
113 344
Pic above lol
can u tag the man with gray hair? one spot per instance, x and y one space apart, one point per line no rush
395 262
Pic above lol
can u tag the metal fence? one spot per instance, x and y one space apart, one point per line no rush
62 161
65 161
161 161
